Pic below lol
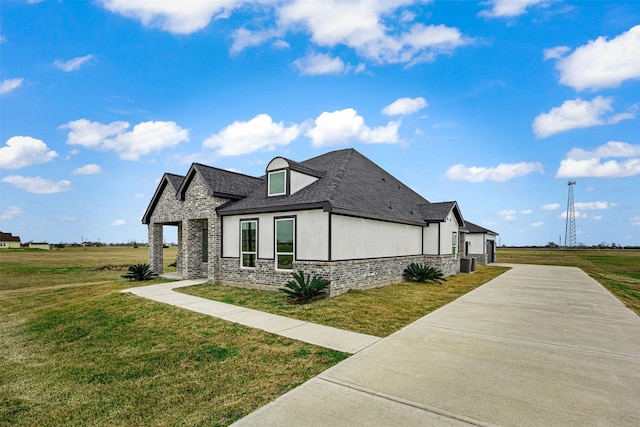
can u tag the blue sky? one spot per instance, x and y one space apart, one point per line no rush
494 104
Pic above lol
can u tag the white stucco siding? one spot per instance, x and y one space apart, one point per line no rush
478 243
431 239
312 234
359 238
447 228
277 163
230 237
300 180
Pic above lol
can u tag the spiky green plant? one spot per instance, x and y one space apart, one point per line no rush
422 273
140 272
303 288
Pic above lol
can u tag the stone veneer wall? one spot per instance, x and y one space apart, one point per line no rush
344 275
192 215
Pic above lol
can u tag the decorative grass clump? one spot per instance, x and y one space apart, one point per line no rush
422 273
140 272
303 288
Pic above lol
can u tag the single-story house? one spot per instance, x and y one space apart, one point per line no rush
480 243
337 215
39 245
9 241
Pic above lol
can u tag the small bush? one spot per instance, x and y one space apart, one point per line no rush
140 272
304 288
422 273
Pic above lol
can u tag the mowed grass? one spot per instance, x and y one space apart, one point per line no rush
74 351
378 312
617 270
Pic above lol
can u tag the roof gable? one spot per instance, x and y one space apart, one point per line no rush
438 212
173 181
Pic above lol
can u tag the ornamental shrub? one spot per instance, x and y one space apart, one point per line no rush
140 272
422 273
303 288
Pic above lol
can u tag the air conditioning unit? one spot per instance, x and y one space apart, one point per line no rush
467 264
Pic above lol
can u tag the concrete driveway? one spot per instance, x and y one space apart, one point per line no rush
539 345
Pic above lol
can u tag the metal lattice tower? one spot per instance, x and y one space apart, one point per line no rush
570 228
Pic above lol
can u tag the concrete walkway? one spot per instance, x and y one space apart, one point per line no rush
539 346
312 333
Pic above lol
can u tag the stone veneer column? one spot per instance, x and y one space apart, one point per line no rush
179 262
155 247
215 251
192 248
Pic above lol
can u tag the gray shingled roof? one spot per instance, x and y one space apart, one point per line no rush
221 182
351 184
437 212
175 180
474 228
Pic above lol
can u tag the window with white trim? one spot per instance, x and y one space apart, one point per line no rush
277 183
285 243
248 243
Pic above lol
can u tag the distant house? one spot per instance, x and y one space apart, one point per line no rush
43 246
9 241
480 243
338 215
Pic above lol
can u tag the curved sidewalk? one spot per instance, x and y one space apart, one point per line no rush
538 345
312 333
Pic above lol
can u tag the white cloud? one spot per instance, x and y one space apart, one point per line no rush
118 222
321 63
90 169
537 224
502 172
37 185
11 212
593 205
580 163
610 149
7 85
359 25
555 52
635 221
178 17
72 64
138 196
526 212
259 133
344 126
574 114
404 106
509 8
243 38
144 138
597 217
551 207
508 214
579 214
21 151
602 63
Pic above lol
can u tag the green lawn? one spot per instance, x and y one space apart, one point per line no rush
378 312
74 351
616 269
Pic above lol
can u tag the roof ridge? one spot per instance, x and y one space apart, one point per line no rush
337 180
224 170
